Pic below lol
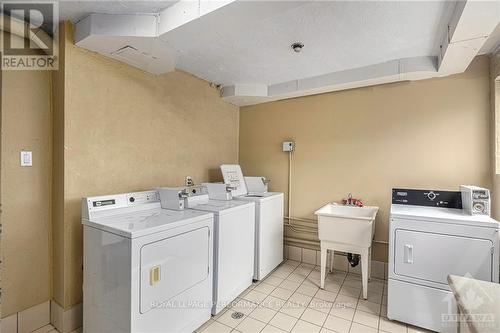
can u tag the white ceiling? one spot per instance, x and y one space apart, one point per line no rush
337 36
74 11
244 45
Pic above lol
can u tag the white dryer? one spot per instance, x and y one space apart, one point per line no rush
145 269
430 237
233 261
268 221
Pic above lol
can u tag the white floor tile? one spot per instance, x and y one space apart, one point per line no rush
45 329
273 303
326 295
311 282
250 325
342 312
333 286
391 326
255 296
368 306
373 297
307 290
320 305
352 283
366 319
296 277
272 329
346 301
273 281
283 321
314 317
377 269
300 299
290 285
350 291
243 306
358 328
228 320
263 314
282 293
293 309
216 327
337 324
264 288
326 330
305 327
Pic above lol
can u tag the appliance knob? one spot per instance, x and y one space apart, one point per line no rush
131 199
478 207
431 196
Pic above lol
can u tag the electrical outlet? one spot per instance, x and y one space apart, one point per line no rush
26 158
288 146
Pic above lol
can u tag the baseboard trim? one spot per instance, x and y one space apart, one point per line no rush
66 321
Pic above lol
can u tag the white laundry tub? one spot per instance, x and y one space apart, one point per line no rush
347 224
347 229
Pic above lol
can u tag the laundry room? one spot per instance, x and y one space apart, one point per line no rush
250 166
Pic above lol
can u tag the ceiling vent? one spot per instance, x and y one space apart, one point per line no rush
132 56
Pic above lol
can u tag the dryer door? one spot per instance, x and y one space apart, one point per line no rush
432 257
173 265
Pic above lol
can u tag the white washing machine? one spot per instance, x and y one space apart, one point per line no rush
430 237
268 221
146 269
234 229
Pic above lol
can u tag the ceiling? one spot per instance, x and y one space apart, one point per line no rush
244 46
337 36
74 11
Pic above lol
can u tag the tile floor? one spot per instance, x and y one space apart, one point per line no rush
289 300
52 329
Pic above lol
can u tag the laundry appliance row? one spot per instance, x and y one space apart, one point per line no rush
169 258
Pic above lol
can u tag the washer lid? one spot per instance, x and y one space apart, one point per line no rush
145 222
221 206
447 215
258 198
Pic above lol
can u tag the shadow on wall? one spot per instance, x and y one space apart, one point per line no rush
214 175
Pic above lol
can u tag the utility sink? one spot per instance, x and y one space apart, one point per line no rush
346 224
347 229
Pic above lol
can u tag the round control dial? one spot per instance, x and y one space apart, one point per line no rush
431 195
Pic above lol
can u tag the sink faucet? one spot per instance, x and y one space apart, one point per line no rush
350 201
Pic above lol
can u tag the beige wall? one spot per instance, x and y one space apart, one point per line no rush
495 127
425 134
126 130
25 247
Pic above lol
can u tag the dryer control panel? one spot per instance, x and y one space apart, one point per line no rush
428 198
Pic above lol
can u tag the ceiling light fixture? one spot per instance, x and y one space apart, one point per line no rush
297 46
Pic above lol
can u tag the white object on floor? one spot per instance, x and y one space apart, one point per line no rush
268 221
146 269
347 229
428 243
233 261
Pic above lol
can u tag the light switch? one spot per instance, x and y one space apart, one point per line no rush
26 158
